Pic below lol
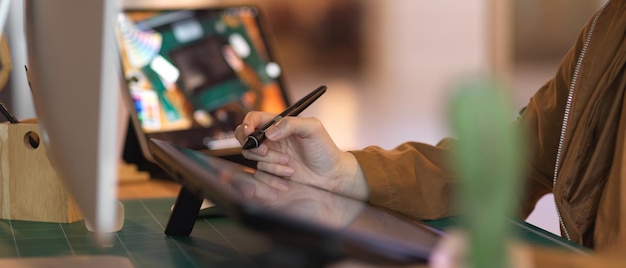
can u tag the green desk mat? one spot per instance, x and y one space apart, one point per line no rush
214 242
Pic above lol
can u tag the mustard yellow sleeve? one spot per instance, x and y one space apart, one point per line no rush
413 179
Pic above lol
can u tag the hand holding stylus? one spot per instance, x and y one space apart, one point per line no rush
257 137
299 149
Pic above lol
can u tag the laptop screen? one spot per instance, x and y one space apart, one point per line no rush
192 74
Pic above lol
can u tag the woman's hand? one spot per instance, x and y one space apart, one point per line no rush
300 149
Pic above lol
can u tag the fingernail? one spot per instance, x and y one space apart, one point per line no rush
288 171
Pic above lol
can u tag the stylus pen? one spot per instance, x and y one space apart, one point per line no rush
32 139
9 116
258 136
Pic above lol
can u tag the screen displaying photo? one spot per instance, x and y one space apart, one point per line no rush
192 75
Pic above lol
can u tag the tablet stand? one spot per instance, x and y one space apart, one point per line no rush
184 214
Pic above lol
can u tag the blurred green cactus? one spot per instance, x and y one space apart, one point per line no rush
489 166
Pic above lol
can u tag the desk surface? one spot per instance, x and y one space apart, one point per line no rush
214 241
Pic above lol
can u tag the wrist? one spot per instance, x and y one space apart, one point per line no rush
350 180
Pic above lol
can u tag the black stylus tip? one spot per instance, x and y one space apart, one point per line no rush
250 144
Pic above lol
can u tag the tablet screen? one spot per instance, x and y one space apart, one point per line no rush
302 215
192 74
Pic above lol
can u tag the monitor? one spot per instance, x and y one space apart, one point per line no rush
72 70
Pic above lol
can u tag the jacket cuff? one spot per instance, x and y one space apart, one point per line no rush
379 186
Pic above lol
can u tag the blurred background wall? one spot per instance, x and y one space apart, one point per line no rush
390 65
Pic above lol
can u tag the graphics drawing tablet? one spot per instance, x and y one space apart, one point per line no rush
303 217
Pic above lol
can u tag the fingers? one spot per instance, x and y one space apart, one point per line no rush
302 127
252 121
275 169
270 161
252 187
271 180
295 126
264 154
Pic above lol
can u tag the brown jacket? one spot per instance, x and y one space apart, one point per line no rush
590 190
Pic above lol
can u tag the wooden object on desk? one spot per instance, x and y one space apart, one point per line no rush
128 173
30 189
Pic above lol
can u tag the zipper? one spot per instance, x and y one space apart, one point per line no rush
568 105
